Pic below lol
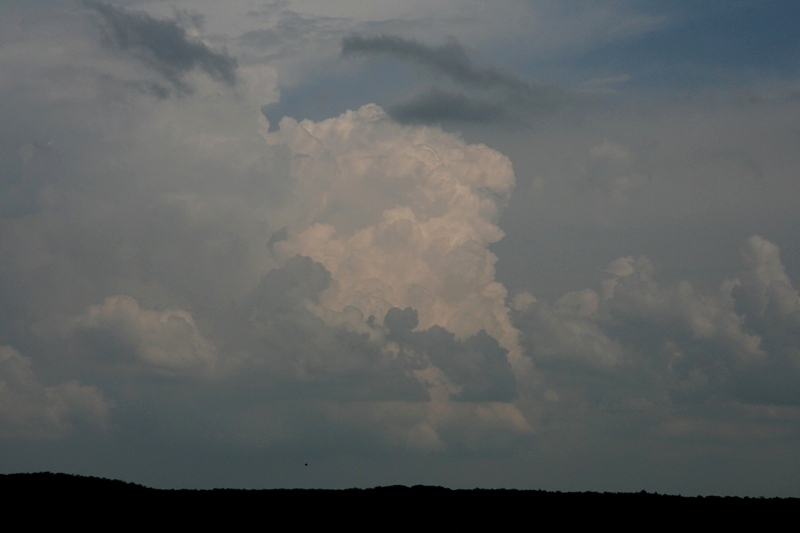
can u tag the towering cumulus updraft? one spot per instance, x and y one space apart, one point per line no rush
401 217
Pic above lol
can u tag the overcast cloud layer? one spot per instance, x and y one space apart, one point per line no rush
276 244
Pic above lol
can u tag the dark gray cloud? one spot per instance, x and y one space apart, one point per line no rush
284 288
478 364
437 105
164 45
511 99
321 360
449 59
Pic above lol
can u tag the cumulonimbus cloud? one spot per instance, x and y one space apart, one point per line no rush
400 217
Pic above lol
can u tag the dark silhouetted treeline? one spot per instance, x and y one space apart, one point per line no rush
395 504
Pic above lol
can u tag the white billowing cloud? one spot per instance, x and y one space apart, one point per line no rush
31 410
401 217
167 342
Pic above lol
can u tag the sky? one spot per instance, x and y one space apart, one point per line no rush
531 244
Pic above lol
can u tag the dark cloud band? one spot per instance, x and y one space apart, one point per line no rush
163 45
449 59
436 105
510 98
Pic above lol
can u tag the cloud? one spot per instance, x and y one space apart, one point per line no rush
738 344
205 271
513 99
477 366
765 288
770 306
164 342
163 45
700 318
449 59
188 256
438 106
30 410
654 362
568 335
400 217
